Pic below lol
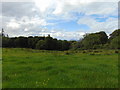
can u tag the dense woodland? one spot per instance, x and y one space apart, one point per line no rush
98 40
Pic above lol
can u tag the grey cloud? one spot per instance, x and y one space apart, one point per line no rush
18 9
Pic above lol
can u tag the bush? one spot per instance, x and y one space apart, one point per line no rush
115 43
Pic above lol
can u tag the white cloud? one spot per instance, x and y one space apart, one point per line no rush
109 25
61 7
43 4
26 29
68 35
13 24
64 36
32 18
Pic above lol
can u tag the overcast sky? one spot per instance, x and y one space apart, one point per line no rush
62 19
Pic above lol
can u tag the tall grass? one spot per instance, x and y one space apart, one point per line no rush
27 68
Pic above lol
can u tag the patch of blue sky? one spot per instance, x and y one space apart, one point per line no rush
58 19
102 18
69 26
55 21
78 14
96 15
99 18
49 27
114 16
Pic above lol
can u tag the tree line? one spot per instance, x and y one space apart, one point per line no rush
36 42
98 40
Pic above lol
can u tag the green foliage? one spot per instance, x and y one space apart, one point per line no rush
49 44
115 43
28 68
52 44
74 45
114 40
103 37
5 41
43 43
65 45
94 40
90 40
31 42
21 42
97 40
40 45
114 34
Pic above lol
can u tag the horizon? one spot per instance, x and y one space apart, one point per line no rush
6 35
67 20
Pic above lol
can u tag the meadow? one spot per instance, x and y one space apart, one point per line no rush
28 68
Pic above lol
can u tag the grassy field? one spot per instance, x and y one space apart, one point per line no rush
27 68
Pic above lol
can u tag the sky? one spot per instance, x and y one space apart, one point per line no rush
62 19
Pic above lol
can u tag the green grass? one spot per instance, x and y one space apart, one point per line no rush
27 68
